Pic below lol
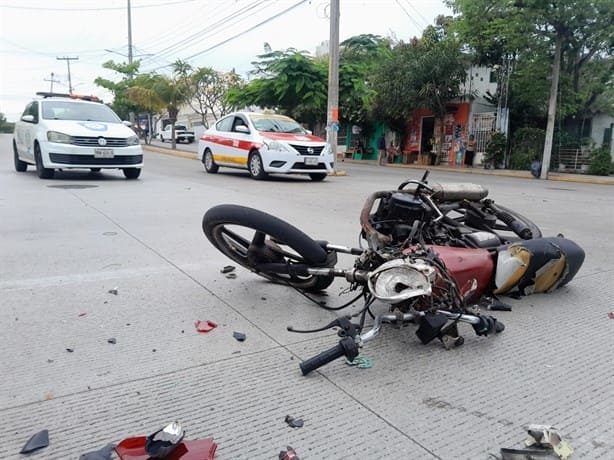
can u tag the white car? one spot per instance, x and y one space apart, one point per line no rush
181 134
264 143
62 131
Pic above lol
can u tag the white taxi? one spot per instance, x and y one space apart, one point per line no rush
264 143
63 131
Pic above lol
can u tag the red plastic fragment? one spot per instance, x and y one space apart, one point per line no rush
205 326
611 315
196 449
82 314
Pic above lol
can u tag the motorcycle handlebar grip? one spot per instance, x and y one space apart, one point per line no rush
518 227
345 347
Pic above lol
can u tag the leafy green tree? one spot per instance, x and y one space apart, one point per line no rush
207 90
425 73
288 81
5 126
122 104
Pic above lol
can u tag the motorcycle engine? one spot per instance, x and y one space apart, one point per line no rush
396 215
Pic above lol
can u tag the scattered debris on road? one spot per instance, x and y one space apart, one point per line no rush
611 315
37 441
548 436
161 443
294 422
101 454
82 314
70 350
205 326
240 336
113 291
231 276
361 362
288 454
228 269
112 340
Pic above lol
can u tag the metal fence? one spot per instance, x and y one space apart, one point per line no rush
571 160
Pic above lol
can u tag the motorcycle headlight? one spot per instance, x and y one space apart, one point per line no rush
133 140
399 280
60 138
275 145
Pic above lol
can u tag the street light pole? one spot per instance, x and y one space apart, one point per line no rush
52 80
129 34
332 116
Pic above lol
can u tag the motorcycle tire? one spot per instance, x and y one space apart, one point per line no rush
236 230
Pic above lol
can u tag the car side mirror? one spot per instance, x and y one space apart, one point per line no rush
242 129
28 118
126 123
308 131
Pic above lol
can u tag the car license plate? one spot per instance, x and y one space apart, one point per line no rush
103 153
311 160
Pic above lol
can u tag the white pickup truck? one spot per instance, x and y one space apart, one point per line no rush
181 134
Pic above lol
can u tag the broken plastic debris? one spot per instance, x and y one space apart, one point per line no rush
82 314
240 336
113 291
361 362
112 340
288 454
228 269
198 449
70 350
205 326
231 276
526 454
164 441
611 315
294 422
37 441
548 436
100 454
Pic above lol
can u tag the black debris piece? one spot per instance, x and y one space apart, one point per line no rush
231 276
112 340
70 350
161 443
294 422
37 441
228 269
113 291
240 336
101 454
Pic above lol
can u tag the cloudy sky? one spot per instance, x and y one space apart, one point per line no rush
223 34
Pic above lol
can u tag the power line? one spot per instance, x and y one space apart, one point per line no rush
246 31
42 8
409 16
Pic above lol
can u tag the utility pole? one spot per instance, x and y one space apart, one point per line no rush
129 34
556 70
52 82
68 59
332 116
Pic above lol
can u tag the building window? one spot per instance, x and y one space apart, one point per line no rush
493 77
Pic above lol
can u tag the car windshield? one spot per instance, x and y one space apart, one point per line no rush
276 124
67 110
180 128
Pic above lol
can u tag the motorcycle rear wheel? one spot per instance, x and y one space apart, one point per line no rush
251 237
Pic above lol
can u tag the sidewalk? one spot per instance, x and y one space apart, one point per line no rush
554 176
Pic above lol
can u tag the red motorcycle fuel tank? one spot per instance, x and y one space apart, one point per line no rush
467 264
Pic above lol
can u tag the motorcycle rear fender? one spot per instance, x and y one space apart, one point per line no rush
537 265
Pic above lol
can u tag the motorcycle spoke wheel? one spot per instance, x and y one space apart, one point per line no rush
252 238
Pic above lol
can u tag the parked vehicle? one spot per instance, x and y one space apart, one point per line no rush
264 144
181 134
435 253
64 131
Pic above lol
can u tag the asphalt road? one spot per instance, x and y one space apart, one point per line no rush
67 242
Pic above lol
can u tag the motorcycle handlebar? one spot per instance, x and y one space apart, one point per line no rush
346 347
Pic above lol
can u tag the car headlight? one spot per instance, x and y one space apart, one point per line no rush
275 145
400 279
60 138
133 140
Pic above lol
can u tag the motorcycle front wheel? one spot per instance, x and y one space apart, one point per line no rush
252 238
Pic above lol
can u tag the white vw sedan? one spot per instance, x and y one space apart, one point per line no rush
264 143
62 131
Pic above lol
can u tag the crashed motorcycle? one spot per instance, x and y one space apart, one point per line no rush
437 254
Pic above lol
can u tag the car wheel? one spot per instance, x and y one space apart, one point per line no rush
132 173
255 166
20 166
209 162
317 177
95 170
43 173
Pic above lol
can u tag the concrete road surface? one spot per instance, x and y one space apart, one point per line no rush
88 258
